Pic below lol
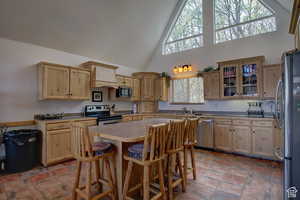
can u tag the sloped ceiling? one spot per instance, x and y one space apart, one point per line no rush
287 4
123 32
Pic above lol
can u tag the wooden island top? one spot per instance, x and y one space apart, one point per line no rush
131 131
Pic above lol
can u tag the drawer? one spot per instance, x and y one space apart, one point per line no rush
241 122
88 122
126 118
223 121
262 123
137 118
59 125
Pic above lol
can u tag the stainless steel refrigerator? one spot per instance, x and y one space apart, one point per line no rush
288 117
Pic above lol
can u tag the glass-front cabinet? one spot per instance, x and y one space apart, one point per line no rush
241 78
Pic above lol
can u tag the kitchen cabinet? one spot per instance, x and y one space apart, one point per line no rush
241 139
242 78
162 89
223 137
147 107
262 141
271 76
56 139
63 82
124 81
147 80
136 90
211 85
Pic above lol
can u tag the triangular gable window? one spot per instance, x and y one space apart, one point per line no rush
186 33
236 19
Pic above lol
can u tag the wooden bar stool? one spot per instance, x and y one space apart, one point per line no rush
174 149
189 144
148 155
86 152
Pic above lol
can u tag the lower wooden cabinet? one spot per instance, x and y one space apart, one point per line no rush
241 139
223 137
58 145
263 141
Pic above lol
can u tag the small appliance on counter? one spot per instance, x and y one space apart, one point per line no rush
255 109
103 114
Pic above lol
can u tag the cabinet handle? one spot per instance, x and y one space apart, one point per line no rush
71 94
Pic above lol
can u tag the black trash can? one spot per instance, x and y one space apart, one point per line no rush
22 148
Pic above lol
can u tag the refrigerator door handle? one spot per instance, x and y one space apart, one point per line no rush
277 111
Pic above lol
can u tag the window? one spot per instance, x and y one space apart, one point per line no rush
187 90
187 31
236 19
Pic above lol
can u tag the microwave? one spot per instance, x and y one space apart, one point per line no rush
123 92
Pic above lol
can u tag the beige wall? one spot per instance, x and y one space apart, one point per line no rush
18 81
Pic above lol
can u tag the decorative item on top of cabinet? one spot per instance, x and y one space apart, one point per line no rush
162 89
147 84
271 76
211 85
241 78
102 75
63 82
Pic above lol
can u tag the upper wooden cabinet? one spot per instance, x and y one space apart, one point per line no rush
136 89
63 82
271 76
147 84
124 81
242 78
162 89
211 85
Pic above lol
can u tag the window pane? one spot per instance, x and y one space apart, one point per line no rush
196 90
180 90
235 15
246 30
183 45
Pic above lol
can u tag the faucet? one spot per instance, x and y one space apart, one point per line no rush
185 110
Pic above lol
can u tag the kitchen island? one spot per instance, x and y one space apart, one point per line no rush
122 135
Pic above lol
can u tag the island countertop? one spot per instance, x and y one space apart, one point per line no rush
132 131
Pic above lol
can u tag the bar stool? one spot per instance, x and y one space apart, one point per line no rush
149 155
189 144
86 152
174 149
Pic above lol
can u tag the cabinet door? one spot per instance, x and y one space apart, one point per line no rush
120 80
128 82
136 90
212 85
271 76
230 81
262 141
250 76
58 145
241 139
223 137
54 82
147 93
80 82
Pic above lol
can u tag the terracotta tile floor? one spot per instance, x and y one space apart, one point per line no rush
220 177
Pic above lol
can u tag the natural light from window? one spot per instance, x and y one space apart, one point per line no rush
187 31
188 90
235 19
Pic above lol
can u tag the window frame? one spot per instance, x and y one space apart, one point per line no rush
242 23
185 77
171 27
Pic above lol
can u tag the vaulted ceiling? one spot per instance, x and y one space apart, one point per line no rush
124 32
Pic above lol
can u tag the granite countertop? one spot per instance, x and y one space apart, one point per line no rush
68 118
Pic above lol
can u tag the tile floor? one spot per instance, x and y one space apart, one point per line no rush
220 177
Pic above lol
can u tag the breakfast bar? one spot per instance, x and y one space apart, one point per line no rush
122 135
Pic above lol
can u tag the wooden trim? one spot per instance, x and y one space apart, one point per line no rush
294 17
90 63
60 65
185 77
18 123
145 73
242 60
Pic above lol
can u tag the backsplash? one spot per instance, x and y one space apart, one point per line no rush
226 105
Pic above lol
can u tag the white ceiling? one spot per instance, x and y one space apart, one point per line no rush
287 4
123 32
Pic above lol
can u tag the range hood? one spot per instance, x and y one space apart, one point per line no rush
102 75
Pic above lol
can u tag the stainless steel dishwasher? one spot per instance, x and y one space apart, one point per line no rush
205 136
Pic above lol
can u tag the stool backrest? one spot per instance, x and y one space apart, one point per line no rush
191 130
176 135
80 141
155 142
